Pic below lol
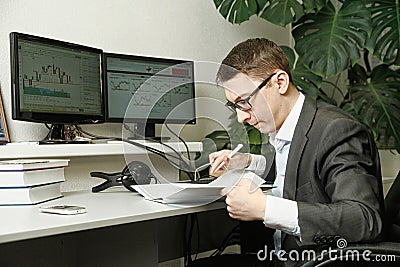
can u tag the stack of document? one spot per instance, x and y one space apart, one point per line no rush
31 181
197 194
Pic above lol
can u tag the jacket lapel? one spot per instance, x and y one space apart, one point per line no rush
270 171
297 146
296 151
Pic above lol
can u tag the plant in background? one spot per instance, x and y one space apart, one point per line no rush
247 135
357 41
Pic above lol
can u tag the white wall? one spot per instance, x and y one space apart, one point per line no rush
174 29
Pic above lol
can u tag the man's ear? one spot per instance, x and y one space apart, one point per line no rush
282 81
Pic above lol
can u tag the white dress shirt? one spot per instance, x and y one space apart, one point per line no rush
280 214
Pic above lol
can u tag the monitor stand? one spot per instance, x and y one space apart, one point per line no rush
147 131
56 135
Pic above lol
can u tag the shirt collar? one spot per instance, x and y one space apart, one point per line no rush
286 131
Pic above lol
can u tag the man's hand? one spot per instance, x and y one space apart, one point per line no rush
238 161
245 202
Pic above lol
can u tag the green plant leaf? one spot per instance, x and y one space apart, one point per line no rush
278 12
254 135
384 42
238 11
247 135
290 54
329 41
376 102
303 78
284 12
315 5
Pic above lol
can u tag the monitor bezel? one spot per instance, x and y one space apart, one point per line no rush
46 117
107 55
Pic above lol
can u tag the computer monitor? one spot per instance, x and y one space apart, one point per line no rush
149 90
55 82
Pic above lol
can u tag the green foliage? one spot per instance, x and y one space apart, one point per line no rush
385 38
330 37
329 41
376 102
304 79
247 135
238 11
279 12
283 13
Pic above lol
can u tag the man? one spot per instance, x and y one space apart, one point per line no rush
326 165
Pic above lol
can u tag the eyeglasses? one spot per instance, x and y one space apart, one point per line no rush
244 104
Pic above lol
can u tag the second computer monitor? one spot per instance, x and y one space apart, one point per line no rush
148 90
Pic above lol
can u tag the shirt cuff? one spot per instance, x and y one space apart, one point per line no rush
257 164
282 214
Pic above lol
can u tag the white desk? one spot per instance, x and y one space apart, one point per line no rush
106 208
116 220
97 157
120 227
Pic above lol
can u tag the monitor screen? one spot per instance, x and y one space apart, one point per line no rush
55 82
149 90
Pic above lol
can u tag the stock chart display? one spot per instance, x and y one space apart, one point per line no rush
58 79
147 89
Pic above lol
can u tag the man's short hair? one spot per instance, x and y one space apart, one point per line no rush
257 58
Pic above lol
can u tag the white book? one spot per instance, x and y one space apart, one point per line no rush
31 177
32 164
29 195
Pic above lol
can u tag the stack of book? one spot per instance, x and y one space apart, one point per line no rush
31 181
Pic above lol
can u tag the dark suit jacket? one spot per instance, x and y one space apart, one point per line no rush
333 172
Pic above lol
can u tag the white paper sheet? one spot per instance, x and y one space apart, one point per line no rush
197 194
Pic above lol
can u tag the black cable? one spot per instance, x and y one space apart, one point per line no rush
198 236
185 248
189 259
190 239
151 149
79 128
153 140
180 138
225 241
189 167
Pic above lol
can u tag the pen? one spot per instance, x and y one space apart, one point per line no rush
233 152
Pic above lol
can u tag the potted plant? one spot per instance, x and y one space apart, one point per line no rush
352 40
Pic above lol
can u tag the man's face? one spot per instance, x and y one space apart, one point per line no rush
261 114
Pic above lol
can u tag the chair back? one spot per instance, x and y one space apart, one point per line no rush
392 208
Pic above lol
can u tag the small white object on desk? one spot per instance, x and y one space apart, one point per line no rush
63 209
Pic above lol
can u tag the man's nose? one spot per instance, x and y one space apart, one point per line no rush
242 116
